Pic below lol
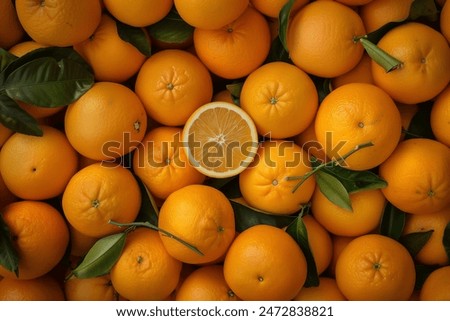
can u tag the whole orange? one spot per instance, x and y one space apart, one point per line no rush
265 263
40 237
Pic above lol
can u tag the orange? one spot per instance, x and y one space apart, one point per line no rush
145 270
44 288
272 8
220 139
11 31
265 185
25 47
139 13
436 286
321 38
38 167
362 72
201 216
210 14
433 252
99 193
425 63
327 290
444 21
417 174
161 163
339 243
107 122
91 289
320 243
281 99
172 84
59 23
265 263
367 210
377 13
356 114
111 58
40 237
374 267
440 117
206 283
80 244
235 49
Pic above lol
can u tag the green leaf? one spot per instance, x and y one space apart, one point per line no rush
135 36
48 82
246 216
283 20
228 186
171 30
5 59
420 125
235 89
392 222
17 119
277 52
101 257
422 272
446 240
8 254
425 9
414 242
355 181
323 86
333 190
149 210
381 57
297 230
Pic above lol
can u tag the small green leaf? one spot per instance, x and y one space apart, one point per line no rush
425 9
246 216
446 240
228 186
135 36
171 30
333 190
48 82
8 254
283 20
17 119
5 59
392 222
149 210
355 181
235 90
414 242
323 86
101 257
297 230
380 56
277 52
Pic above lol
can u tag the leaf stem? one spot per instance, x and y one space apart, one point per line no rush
337 162
156 228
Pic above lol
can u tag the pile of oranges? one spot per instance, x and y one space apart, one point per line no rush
135 175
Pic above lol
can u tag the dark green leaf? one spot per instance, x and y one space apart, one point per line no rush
355 181
323 86
5 59
246 216
8 254
446 240
297 230
420 125
422 272
277 52
17 119
135 36
414 242
283 20
148 211
48 82
333 190
101 257
425 9
171 30
228 186
235 89
392 222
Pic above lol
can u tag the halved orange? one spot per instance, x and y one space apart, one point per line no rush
220 139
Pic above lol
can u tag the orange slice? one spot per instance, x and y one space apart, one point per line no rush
220 139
